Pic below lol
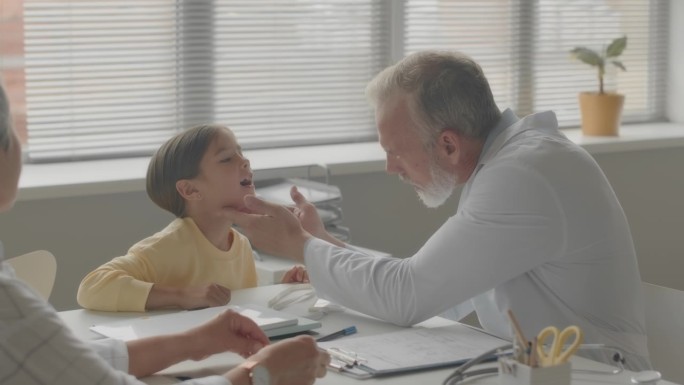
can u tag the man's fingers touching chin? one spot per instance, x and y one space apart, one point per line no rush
255 205
233 213
296 196
260 206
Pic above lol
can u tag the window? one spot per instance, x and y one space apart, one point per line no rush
97 79
115 78
523 47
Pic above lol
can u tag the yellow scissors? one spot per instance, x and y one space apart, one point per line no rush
558 350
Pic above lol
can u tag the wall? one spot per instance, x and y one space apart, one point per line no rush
675 74
382 212
650 186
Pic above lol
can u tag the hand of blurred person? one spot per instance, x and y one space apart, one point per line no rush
295 361
228 331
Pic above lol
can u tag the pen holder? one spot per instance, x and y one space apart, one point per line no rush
512 372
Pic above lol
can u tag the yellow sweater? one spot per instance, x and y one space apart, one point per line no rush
178 256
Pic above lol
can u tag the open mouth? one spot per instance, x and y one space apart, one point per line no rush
246 182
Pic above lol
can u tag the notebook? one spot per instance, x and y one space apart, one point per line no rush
272 322
304 325
408 350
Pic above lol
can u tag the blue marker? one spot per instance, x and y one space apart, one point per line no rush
344 332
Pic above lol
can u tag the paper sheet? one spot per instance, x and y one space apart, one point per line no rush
148 326
416 348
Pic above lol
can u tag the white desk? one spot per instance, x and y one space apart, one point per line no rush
80 320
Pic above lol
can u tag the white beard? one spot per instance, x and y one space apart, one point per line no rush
440 189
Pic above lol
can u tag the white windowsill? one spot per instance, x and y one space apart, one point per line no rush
56 180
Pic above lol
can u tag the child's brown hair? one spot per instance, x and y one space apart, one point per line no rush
179 158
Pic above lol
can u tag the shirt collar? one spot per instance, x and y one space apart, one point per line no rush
508 118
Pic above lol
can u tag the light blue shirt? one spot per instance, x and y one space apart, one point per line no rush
538 230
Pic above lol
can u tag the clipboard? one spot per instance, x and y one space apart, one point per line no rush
408 350
272 322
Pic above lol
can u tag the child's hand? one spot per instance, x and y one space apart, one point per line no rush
204 296
296 274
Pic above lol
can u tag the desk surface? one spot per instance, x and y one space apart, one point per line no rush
80 321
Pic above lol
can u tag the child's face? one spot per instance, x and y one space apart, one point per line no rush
225 175
10 168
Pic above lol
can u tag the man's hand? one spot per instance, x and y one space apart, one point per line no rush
308 216
271 228
294 361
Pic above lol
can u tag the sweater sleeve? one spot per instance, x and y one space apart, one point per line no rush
122 284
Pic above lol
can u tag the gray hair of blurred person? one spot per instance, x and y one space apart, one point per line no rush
5 120
446 90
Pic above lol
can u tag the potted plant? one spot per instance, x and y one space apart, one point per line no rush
601 110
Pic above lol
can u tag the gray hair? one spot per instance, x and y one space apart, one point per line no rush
446 90
5 120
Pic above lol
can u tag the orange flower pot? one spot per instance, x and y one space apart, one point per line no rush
601 113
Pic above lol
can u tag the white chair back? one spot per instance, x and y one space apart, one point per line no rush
665 330
38 269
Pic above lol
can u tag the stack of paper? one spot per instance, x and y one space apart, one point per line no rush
272 322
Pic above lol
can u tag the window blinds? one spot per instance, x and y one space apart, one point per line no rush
116 78
523 47
101 77
295 72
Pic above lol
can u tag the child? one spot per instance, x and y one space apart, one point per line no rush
198 258
37 347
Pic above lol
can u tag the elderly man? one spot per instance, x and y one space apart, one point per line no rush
538 228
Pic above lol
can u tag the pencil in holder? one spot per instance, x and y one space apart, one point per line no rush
512 372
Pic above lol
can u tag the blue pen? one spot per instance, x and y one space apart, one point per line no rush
344 332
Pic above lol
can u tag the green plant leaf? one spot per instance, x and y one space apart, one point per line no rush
587 55
619 65
616 47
